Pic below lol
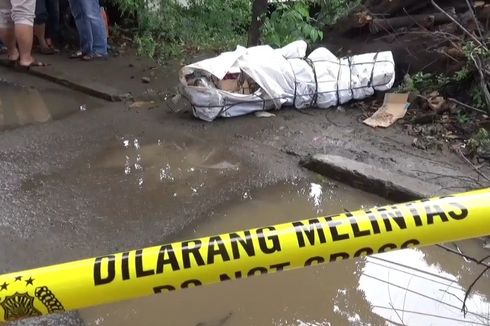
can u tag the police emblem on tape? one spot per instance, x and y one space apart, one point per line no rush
28 300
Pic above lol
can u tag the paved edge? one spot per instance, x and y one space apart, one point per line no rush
71 318
371 179
72 85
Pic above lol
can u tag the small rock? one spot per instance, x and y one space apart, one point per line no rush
146 80
486 245
83 107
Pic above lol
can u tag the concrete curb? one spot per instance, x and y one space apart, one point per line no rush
100 91
360 175
71 318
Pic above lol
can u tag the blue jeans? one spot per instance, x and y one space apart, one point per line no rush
91 27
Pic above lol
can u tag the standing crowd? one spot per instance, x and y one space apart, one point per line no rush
24 23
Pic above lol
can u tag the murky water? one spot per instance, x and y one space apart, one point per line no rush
411 287
20 106
184 167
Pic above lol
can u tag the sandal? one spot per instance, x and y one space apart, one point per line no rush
25 68
94 57
48 51
76 55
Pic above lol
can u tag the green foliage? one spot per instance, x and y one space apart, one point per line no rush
333 10
462 117
472 50
478 98
466 80
128 6
294 20
291 22
463 75
424 83
146 44
479 144
167 29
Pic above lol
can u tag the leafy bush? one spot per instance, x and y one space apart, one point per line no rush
466 80
167 29
333 10
291 22
479 144
296 20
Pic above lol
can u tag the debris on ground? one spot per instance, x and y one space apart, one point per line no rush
146 80
262 78
442 49
143 105
264 114
393 109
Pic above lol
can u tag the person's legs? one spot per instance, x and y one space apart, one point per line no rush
24 35
7 30
8 38
83 26
23 17
93 14
53 30
40 25
40 34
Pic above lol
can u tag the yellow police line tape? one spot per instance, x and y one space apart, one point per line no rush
235 255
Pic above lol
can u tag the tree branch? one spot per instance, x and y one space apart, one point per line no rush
457 23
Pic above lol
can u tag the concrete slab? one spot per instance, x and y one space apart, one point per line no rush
393 186
115 79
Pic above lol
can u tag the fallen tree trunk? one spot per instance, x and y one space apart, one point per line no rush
389 7
379 25
375 13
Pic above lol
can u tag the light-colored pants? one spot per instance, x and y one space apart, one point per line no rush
17 12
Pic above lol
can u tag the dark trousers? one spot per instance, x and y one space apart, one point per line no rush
48 12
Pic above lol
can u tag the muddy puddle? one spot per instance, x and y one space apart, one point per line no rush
20 106
411 287
183 166
150 179
149 185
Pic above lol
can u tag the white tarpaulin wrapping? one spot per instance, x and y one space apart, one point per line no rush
284 77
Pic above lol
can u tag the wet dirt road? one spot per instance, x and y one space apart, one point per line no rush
86 182
410 287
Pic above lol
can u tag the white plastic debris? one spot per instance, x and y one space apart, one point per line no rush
264 114
282 77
